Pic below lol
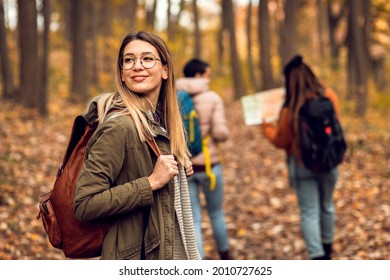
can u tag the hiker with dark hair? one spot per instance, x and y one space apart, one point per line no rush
208 176
143 195
314 190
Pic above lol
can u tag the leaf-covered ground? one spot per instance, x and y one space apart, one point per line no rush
261 211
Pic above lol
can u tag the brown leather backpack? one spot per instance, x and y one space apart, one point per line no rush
76 239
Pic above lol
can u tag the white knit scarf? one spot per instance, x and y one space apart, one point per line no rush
185 232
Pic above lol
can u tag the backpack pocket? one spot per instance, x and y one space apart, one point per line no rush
46 212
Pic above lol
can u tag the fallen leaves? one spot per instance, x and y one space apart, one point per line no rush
261 208
261 211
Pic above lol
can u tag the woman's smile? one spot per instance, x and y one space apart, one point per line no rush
139 78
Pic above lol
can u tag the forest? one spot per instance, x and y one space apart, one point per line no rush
56 55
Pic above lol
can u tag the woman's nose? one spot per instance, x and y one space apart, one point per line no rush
137 63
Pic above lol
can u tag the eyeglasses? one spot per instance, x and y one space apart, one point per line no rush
148 61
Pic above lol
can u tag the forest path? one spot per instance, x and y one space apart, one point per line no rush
261 212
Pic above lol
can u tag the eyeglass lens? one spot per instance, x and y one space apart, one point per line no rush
147 61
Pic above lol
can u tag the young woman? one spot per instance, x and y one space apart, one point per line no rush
314 190
144 196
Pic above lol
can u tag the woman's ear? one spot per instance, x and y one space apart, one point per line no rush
165 73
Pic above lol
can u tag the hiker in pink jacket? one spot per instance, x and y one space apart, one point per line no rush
208 175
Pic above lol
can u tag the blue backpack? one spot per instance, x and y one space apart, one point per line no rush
191 122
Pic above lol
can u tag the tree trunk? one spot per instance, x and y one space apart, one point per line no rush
133 15
288 32
66 23
358 55
170 31
28 53
92 44
178 16
79 70
334 19
265 43
197 33
378 57
151 15
320 27
228 18
250 57
9 91
221 50
105 28
43 92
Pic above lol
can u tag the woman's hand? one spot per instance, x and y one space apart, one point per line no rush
264 125
165 169
188 168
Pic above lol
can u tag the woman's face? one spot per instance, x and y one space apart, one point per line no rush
145 81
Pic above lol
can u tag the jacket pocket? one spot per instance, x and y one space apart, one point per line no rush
151 243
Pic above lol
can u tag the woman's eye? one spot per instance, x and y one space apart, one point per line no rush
148 58
128 60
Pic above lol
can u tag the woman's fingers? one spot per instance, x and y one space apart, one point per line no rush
188 169
189 172
165 169
169 162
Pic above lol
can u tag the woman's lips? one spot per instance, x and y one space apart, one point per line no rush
138 78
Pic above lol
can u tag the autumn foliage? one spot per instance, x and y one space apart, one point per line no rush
261 211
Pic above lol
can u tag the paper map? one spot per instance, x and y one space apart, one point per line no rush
264 105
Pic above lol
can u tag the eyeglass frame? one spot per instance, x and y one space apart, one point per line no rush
139 57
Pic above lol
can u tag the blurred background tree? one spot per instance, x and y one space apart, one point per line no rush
67 49
54 55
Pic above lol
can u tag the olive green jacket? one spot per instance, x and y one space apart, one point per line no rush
114 183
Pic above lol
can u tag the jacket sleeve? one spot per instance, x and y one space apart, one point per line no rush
219 128
95 194
335 100
280 135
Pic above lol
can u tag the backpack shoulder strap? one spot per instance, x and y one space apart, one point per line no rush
153 146
81 131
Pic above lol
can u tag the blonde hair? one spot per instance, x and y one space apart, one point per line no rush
135 104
